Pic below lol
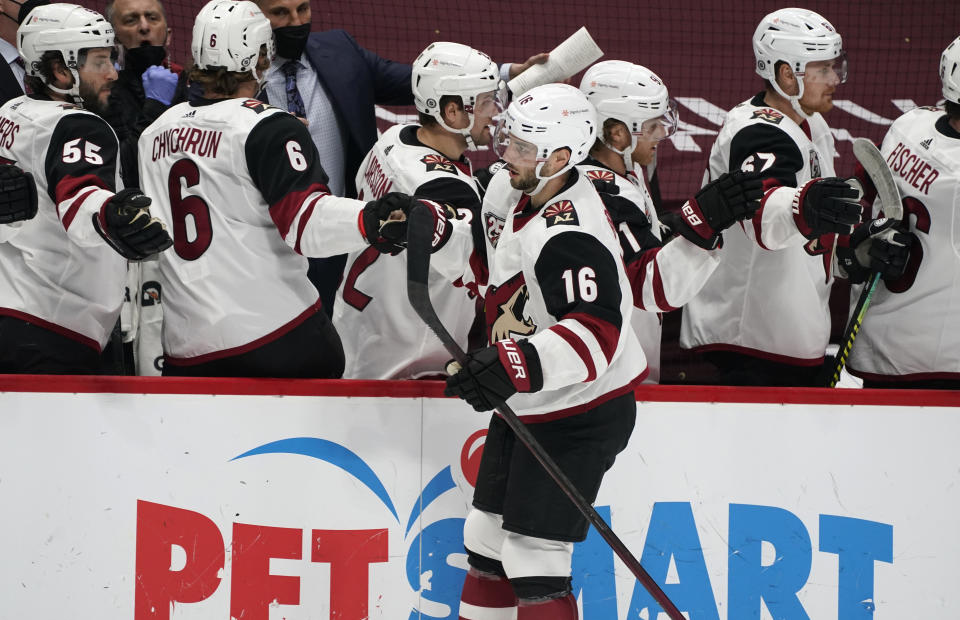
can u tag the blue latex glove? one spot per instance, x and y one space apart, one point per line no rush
160 84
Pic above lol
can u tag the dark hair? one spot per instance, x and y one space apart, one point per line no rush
222 82
953 110
426 120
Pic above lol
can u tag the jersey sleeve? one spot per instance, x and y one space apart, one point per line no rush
9 231
81 171
768 150
664 279
285 167
579 282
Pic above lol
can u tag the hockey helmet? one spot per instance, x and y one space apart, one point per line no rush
950 71
228 34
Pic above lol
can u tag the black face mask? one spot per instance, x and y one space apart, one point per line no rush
291 40
25 8
137 59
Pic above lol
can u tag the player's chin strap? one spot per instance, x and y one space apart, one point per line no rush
544 180
793 99
626 154
73 92
465 132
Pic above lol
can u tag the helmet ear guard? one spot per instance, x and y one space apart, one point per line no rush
950 71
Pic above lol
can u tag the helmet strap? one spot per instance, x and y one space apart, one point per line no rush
544 180
465 132
793 99
73 92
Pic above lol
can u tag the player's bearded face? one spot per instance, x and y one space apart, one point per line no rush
97 75
521 158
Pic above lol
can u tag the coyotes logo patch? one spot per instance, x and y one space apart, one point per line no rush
494 226
438 162
601 175
503 307
768 114
561 212
815 170
256 106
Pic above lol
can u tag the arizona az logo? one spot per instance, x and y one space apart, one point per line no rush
256 106
438 162
768 114
561 212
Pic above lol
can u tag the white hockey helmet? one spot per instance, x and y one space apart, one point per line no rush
631 94
228 34
950 71
454 69
65 28
549 117
796 37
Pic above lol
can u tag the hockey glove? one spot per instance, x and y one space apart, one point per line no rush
495 373
383 222
125 224
732 197
18 195
876 246
824 206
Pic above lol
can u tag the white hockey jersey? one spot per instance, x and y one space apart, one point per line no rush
769 295
240 187
555 277
383 338
912 329
55 269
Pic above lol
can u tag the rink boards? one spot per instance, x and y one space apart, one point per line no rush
141 498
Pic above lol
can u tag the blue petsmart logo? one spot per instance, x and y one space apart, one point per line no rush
672 538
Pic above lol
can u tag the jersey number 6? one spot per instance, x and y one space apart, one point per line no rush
186 247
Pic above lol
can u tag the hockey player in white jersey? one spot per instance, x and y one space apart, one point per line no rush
922 149
457 91
62 272
242 188
558 306
635 112
763 316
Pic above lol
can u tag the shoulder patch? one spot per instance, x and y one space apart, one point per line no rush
600 175
768 114
256 105
435 163
561 212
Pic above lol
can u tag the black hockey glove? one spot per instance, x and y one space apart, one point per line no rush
443 216
18 195
824 206
483 175
382 225
732 197
876 246
495 373
125 224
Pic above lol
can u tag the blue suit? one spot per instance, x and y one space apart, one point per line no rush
355 81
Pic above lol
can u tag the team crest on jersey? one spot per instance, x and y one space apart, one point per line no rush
601 175
815 169
504 306
256 106
438 163
494 226
561 212
768 114
151 294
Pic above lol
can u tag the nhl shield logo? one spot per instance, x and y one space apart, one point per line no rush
561 212
814 164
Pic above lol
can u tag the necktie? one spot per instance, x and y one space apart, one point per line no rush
294 100
19 61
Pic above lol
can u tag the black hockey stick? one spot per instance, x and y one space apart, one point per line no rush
419 235
876 167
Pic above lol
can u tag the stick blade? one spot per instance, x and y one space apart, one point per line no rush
872 161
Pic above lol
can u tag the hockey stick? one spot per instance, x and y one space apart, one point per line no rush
878 171
419 235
